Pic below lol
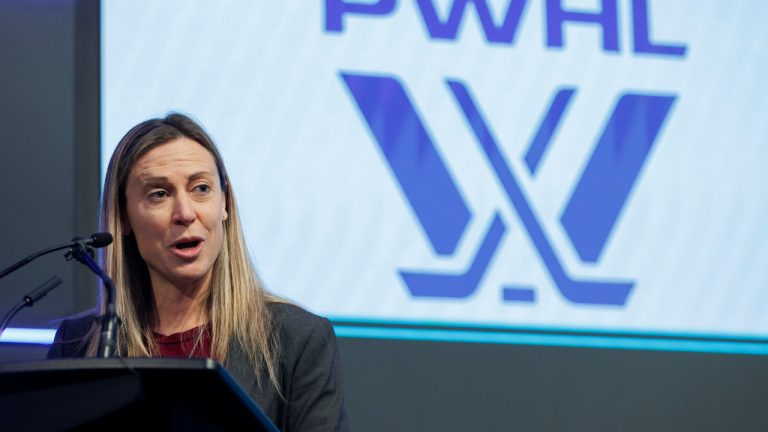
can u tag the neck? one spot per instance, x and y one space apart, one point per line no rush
179 307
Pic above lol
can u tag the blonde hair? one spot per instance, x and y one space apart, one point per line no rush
236 301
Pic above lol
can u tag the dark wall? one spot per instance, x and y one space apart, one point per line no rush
437 386
49 124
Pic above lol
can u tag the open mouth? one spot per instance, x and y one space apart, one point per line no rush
187 245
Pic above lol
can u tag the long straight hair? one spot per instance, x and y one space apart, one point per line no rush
236 302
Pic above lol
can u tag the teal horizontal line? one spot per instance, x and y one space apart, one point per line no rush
553 329
45 336
28 336
585 341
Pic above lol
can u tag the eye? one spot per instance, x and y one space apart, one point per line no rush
158 195
202 188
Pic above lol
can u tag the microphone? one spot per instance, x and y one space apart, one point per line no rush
97 240
30 299
41 291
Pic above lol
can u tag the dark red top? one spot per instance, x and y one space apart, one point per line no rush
183 344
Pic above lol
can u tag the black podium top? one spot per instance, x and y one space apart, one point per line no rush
128 393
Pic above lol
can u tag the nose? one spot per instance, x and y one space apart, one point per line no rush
183 210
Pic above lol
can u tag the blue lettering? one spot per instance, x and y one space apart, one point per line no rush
642 40
505 33
607 18
336 9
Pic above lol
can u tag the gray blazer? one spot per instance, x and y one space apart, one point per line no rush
310 369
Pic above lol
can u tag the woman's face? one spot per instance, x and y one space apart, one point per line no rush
175 208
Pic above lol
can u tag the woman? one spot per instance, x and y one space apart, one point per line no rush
186 287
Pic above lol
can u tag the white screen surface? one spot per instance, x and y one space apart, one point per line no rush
649 179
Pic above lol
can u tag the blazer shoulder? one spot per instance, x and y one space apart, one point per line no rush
300 333
288 315
69 340
79 325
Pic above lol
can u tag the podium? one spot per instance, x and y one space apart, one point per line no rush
127 394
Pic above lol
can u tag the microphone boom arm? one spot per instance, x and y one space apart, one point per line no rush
96 240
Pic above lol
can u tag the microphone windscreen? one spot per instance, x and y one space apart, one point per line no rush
101 239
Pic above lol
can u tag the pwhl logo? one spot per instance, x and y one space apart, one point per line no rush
590 213
589 216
